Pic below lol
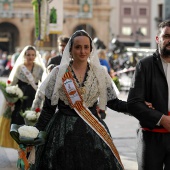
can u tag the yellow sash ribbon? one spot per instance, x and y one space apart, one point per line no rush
76 102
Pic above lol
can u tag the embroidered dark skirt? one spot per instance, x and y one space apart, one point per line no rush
73 145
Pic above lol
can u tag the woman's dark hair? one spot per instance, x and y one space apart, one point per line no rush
77 34
30 48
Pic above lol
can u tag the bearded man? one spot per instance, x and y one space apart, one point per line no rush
151 82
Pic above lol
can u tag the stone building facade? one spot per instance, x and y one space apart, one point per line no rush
17 23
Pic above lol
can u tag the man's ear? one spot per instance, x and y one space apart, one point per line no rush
157 39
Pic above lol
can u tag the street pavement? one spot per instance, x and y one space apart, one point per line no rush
122 128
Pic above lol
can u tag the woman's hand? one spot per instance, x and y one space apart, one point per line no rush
101 113
149 105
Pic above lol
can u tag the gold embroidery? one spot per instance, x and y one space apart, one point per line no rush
82 90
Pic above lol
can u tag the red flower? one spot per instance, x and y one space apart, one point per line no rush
8 82
37 110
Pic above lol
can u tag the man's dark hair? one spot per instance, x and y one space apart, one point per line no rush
163 24
63 38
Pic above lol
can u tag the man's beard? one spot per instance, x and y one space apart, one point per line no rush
165 52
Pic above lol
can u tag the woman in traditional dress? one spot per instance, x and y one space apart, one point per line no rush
77 138
26 73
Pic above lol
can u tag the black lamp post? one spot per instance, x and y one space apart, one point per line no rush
136 35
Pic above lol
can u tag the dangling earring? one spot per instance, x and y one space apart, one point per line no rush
89 57
71 57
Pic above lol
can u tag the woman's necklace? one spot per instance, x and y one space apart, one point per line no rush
80 81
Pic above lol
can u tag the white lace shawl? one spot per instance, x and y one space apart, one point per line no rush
98 86
19 74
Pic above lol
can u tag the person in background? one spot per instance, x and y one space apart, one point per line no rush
30 61
151 82
62 42
4 58
26 73
15 56
103 60
77 138
7 68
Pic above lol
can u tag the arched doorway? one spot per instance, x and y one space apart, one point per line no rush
87 28
9 37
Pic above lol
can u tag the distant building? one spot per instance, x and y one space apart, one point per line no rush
17 21
133 22
136 21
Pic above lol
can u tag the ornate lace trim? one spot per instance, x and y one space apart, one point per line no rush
98 85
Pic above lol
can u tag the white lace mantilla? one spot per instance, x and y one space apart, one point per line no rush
95 89
19 75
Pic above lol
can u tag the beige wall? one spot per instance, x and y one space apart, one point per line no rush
100 20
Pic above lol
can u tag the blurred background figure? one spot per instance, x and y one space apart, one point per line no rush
3 62
103 59
6 71
62 42
15 56
4 58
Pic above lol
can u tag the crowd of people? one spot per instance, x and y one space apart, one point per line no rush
52 58
75 87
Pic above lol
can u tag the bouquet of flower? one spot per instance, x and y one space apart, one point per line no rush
12 94
31 116
26 137
28 131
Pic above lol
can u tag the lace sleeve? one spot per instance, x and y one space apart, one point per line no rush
111 90
38 101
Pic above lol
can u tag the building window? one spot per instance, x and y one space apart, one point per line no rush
126 30
127 11
143 30
142 11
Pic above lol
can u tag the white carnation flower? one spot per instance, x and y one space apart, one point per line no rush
30 115
28 131
14 90
18 91
9 89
